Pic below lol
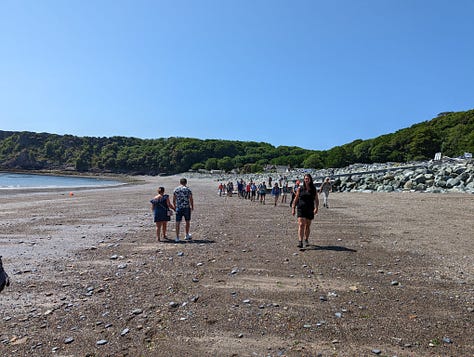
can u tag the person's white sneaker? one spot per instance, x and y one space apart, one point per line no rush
177 240
188 237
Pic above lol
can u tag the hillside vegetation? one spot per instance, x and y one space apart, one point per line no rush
451 133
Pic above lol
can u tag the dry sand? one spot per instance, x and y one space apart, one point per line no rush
388 274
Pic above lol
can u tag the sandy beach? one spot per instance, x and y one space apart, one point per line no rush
388 274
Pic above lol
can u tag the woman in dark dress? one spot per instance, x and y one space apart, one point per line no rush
305 205
161 207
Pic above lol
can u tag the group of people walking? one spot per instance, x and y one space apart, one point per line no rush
304 203
254 191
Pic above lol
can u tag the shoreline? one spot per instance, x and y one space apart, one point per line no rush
121 180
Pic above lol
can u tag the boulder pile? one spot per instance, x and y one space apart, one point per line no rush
436 177
447 175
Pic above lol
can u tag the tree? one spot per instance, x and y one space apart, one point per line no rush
211 164
225 164
336 157
362 152
424 144
380 152
313 161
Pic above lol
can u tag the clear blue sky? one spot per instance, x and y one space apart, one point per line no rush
308 73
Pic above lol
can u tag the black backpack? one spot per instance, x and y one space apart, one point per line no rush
4 280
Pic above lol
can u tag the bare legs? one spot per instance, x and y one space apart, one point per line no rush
161 227
303 229
187 225
165 227
158 230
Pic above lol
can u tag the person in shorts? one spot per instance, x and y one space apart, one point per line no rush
276 191
305 206
183 201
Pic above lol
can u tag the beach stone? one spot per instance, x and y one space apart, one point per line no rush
124 331
68 340
101 342
453 182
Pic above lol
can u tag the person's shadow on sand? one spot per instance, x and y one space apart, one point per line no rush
335 248
191 241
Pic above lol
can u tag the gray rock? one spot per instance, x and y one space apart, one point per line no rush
124 331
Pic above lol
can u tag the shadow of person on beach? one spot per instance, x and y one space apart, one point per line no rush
195 241
199 241
334 248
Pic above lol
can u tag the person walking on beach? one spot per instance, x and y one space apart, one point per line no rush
293 192
184 203
305 205
284 192
161 207
253 191
262 192
276 192
325 188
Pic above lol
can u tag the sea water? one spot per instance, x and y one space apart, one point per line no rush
17 181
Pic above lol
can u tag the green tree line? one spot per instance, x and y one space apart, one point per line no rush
451 133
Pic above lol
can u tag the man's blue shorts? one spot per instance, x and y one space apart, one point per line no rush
183 212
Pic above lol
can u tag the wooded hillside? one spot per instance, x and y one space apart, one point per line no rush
451 133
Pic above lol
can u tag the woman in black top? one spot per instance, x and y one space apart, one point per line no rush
307 202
